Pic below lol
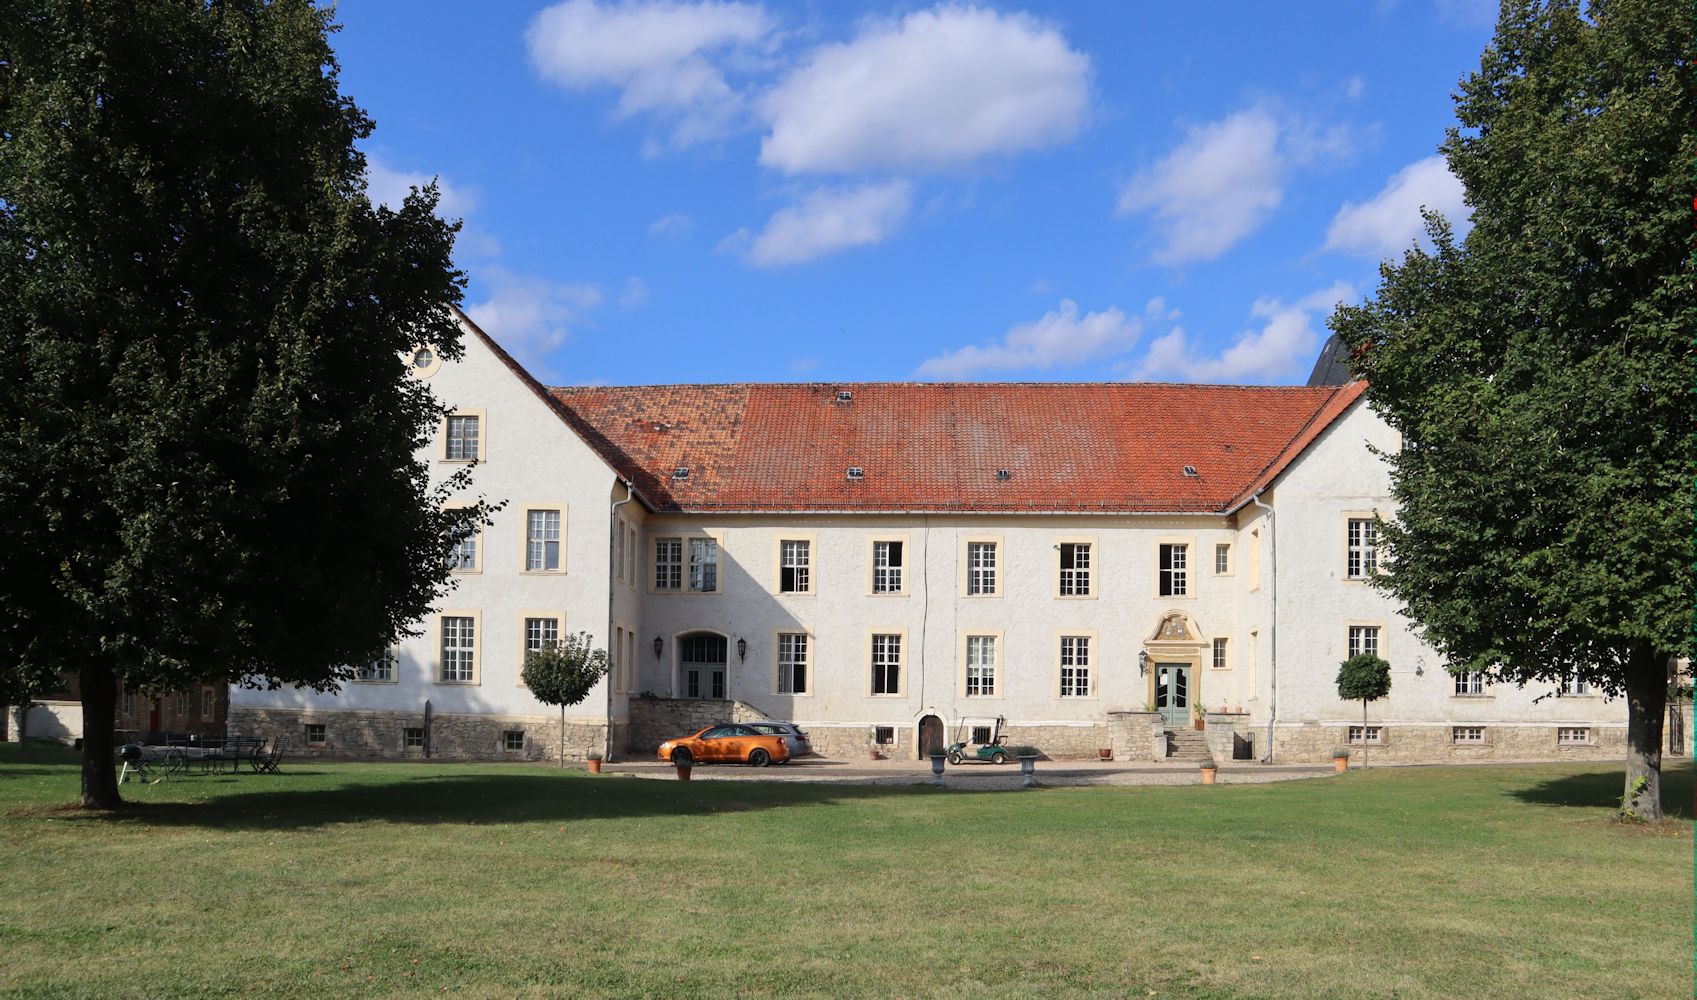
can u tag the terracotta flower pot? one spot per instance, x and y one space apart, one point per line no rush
1105 753
1209 774
594 767
683 772
1201 723
1340 764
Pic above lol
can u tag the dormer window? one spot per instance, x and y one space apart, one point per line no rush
681 472
856 472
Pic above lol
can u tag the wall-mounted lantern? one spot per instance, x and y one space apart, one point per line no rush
659 644
742 649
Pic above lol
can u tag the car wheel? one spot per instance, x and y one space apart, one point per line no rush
759 758
954 758
682 757
998 758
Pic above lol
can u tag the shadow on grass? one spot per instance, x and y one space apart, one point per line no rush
477 799
1602 790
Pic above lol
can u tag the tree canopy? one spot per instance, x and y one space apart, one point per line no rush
563 674
1539 368
207 432
1364 677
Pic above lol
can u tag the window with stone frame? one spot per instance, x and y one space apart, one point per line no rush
1375 735
1222 558
380 668
980 568
887 567
208 704
1464 735
462 558
1363 560
668 564
1363 639
887 663
1075 666
542 541
1573 735
704 565
980 666
541 633
792 662
459 649
512 741
1575 686
463 434
314 734
794 566
1220 661
1469 684
884 736
412 736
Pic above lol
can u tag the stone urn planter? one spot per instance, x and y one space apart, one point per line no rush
1028 768
937 758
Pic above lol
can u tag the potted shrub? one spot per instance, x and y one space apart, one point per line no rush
594 760
1340 759
1210 770
1196 713
872 750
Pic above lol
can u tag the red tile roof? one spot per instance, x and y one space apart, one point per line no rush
1084 447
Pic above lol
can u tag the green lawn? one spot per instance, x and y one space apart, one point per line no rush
518 880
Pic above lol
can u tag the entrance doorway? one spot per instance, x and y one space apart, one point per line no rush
702 666
930 734
1172 694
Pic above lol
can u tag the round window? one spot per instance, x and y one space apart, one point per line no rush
423 358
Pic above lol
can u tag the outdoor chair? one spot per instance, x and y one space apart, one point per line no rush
266 762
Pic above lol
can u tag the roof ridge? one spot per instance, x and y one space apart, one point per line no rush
916 384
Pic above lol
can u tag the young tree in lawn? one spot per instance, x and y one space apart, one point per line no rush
1539 369
1364 677
207 431
563 674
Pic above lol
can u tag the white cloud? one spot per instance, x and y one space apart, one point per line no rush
385 185
1225 180
1217 187
671 226
826 221
659 54
1060 339
936 90
1354 87
1283 347
635 293
1390 221
530 316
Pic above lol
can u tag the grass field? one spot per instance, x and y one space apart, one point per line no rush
517 880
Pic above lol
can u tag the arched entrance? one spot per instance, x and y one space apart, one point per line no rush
930 735
701 665
1175 661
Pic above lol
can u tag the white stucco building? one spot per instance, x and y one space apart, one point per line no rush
890 564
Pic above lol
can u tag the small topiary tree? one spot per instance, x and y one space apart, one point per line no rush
1364 677
564 674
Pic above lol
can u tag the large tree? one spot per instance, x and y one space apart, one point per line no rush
1540 369
207 435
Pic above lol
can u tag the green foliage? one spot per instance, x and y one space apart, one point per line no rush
1364 677
564 673
1340 753
1540 369
207 432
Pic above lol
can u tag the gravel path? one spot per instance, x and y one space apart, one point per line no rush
976 777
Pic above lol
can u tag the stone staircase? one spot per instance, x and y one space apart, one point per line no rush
1187 745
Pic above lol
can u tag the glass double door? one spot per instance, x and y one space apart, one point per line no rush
1172 694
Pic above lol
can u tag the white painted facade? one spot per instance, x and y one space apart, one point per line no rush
532 460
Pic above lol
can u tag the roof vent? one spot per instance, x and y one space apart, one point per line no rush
1003 475
845 396
856 472
1190 470
681 472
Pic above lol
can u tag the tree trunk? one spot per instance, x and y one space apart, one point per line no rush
562 736
1364 734
1646 701
99 773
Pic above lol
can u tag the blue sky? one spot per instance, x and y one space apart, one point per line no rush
713 192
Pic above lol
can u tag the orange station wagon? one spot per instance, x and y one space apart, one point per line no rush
726 744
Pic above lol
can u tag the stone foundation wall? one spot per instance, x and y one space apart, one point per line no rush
1136 736
452 737
1314 742
653 721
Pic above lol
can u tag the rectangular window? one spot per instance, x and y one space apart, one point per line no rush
412 736
512 740
980 666
1573 734
1222 558
886 664
1469 682
981 734
619 560
1463 735
462 558
980 567
630 559
703 565
1363 548
129 703
208 704
541 633
1075 666
462 438
1220 661
1363 639
887 567
182 705
1573 686
459 649
542 540
668 564
884 736
792 663
1375 735
794 572
380 668
630 660
1175 579
1075 569
314 734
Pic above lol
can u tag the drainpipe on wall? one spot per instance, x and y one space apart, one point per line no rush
612 592
1273 629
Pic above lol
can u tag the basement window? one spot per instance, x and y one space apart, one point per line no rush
412 736
512 741
1468 735
1375 735
1573 735
980 734
314 735
884 736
